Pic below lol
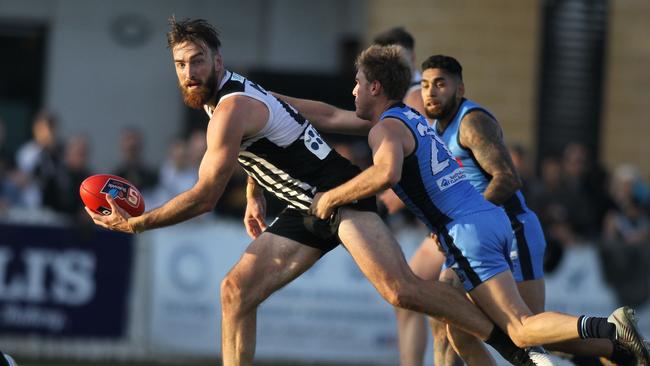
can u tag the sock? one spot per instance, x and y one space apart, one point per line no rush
620 355
506 348
595 327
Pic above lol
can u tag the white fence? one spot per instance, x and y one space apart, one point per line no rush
330 314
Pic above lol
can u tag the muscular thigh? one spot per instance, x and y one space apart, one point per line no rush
534 294
270 262
372 245
427 261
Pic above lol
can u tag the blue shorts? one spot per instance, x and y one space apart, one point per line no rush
528 246
477 246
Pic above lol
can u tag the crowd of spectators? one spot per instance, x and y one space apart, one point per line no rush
577 201
580 203
44 174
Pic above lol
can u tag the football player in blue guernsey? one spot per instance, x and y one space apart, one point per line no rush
284 154
475 235
475 140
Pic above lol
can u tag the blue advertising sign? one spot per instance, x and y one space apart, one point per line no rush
64 281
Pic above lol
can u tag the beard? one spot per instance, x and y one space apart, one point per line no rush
201 94
444 111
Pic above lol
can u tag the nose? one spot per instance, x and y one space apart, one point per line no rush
354 90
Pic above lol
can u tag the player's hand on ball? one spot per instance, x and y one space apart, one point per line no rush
118 220
320 206
254 216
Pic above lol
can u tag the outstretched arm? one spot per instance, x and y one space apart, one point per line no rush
387 143
224 135
483 136
327 118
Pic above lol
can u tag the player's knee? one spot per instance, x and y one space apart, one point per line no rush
233 295
520 336
400 295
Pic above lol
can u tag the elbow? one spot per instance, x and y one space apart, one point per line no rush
206 206
391 178
205 200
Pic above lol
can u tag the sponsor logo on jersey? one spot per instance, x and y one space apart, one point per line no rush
450 179
122 191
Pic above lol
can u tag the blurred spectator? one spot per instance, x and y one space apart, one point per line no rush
61 190
43 150
196 145
585 179
132 168
38 160
626 239
7 192
547 199
520 159
177 174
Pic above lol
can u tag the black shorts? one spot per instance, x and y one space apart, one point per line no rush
310 230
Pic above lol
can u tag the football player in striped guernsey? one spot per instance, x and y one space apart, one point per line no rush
284 154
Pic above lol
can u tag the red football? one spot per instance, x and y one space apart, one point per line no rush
94 188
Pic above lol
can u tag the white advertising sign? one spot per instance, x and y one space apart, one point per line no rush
330 313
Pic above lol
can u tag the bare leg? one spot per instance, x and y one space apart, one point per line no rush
500 300
269 263
470 349
533 293
381 260
411 326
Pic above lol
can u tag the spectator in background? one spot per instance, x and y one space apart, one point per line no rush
585 181
43 150
626 238
38 159
177 173
132 167
196 145
7 191
60 191
520 160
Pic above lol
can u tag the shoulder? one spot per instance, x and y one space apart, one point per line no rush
479 122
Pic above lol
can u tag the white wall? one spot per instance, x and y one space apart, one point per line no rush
98 86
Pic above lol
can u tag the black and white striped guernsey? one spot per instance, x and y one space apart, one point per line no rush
287 157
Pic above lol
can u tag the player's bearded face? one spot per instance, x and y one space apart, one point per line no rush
441 109
198 92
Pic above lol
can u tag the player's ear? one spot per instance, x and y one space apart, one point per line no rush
375 87
461 89
218 61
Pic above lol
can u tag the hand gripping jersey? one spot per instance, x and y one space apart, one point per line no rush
528 251
287 157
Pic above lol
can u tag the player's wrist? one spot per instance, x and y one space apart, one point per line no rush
136 224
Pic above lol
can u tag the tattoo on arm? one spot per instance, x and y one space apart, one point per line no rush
483 136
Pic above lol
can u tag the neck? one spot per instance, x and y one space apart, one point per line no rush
213 100
381 108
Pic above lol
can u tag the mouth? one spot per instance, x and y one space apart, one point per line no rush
192 85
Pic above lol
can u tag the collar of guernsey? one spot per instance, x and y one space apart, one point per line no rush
226 76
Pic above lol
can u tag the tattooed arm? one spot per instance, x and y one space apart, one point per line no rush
483 136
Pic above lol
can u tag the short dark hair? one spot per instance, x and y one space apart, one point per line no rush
192 30
395 36
447 63
388 65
